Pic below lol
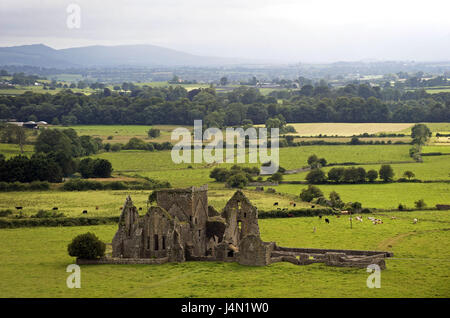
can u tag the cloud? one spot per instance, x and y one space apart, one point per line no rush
308 30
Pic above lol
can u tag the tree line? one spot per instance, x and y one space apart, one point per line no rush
243 105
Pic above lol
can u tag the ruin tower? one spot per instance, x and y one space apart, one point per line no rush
189 206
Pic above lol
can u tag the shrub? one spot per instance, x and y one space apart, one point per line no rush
276 177
238 180
310 193
153 132
47 214
86 246
116 147
4 213
420 204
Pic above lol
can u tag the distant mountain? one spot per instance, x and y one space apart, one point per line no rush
121 55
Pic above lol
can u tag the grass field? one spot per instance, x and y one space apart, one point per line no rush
347 129
109 202
33 260
383 196
123 133
36 262
11 150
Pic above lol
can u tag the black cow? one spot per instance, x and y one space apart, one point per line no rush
320 216
84 211
55 208
295 204
140 209
276 203
327 221
18 207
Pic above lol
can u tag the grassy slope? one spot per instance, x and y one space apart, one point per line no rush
37 258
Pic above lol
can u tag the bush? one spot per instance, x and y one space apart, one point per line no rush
420 204
238 180
47 214
86 246
116 147
4 213
310 193
81 185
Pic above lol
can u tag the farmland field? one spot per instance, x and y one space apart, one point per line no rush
347 129
37 257
384 196
37 260
108 202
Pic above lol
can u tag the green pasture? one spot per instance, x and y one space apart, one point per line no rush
383 196
109 203
34 262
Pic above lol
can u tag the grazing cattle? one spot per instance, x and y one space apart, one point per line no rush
55 208
359 218
327 221
295 204
320 216
284 209
344 212
278 208
415 221
96 207
276 203
120 208
393 218
140 208
313 206
291 203
338 216
84 211
18 207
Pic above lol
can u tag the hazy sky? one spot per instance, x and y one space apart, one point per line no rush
289 31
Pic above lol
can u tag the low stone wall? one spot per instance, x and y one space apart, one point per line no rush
330 259
323 251
122 261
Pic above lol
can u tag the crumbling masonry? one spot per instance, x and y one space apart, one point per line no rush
183 227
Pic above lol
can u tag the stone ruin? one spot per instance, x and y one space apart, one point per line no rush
182 227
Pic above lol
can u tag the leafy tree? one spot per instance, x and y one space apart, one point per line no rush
276 177
154 133
386 173
238 180
335 199
420 134
336 174
420 204
316 176
86 246
223 81
409 174
372 175
219 174
310 193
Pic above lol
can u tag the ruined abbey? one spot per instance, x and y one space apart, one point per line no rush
182 227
